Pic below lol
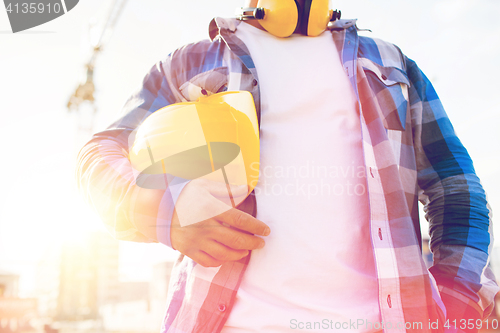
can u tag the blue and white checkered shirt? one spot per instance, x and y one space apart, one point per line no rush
411 153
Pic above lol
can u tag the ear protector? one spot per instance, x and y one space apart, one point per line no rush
282 17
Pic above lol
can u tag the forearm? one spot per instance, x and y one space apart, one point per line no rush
458 213
455 205
460 232
106 177
461 238
106 180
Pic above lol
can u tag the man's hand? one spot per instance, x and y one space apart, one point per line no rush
227 235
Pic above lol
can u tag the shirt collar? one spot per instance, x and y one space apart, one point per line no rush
230 24
218 24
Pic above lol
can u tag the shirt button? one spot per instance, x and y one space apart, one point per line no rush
254 83
222 307
389 302
384 77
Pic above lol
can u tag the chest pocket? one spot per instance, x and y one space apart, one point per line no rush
206 83
390 87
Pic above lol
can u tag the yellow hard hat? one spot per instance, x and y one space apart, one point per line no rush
215 138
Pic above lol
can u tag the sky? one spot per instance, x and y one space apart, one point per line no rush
455 42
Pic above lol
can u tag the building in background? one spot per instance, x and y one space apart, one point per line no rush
9 284
140 310
79 290
47 277
15 313
73 281
159 285
88 277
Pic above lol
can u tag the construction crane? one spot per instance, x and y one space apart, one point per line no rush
85 91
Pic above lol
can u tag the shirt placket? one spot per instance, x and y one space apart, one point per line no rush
385 260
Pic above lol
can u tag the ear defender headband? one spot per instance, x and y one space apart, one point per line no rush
282 17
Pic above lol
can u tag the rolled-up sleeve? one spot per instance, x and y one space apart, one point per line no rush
455 206
105 175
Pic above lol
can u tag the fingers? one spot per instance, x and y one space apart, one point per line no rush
237 240
210 244
210 231
243 221
223 253
205 260
215 254
212 254
222 243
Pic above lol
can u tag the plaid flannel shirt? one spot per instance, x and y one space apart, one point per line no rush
411 153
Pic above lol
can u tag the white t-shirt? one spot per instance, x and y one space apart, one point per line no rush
317 265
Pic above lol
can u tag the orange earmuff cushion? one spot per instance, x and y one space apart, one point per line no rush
318 15
280 18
